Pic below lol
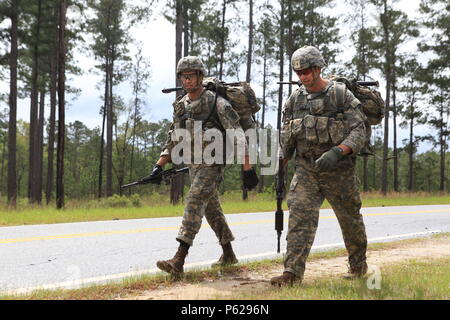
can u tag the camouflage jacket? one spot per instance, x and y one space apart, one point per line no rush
313 124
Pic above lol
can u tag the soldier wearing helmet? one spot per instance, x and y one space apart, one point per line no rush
212 111
325 136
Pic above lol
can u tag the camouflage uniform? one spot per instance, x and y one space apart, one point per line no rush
202 199
312 125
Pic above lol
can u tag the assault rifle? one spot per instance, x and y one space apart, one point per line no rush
166 175
207 85
279 212
361 83
279 180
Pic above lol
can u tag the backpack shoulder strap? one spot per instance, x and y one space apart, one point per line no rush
337 95
213 116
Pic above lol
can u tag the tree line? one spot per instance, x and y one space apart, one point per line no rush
248 40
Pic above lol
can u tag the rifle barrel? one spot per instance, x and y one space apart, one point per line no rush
361 83
288 82
169 90
130 184
368 83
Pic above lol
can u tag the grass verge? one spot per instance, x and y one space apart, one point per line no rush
408 280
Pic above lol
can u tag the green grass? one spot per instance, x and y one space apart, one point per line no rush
407 280
157 205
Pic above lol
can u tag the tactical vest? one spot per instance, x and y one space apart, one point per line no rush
201 109
315 124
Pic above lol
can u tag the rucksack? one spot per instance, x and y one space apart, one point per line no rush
241 97
372 103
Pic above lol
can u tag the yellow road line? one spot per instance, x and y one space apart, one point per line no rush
87 234
131 231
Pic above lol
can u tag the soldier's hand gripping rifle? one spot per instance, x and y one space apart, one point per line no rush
166 175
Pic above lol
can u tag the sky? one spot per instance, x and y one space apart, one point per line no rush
157 38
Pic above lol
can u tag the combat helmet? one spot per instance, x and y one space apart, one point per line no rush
190 63
307 57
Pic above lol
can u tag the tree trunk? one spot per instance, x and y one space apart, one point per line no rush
248 74
40 148
250 42
122 154
222 39
365 174
281 77
61 105
33 152
374 166
102 140
109 130
395 151
263 112
178 36
12 125
442 146
133 141
384 169
185 30
177 185
102 148
51 133
411 150
281 60
290 44
4 152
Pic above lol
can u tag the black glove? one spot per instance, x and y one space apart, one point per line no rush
155 177
329 159
250 179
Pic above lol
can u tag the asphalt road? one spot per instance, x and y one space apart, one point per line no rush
74 254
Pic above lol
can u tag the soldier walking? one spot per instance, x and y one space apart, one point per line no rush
202 200
326 139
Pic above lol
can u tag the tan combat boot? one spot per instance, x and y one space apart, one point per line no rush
175 265
287 278
356 272
227 258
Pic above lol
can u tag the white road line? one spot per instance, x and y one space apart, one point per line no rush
197 265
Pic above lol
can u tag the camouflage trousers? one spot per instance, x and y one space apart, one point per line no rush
203 200
308 189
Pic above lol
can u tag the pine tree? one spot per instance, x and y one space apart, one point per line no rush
361 36
413 90
437 19
394 29
10 9
265 38
62 49
110 47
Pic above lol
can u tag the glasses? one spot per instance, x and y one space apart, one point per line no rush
188 76
303 72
